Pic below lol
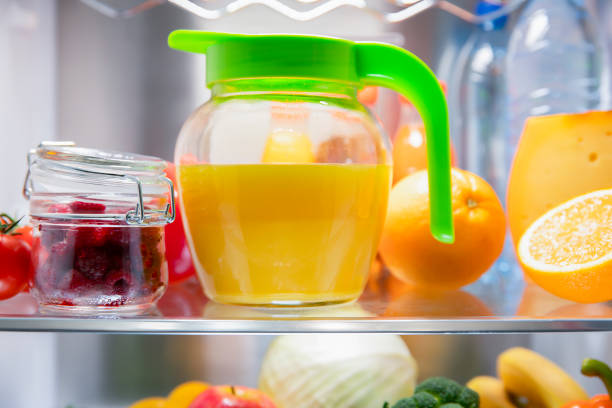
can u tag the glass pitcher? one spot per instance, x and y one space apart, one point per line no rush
284 175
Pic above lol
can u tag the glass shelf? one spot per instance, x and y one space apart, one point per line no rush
383 308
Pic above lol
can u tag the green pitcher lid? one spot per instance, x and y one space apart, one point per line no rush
236 56
231 56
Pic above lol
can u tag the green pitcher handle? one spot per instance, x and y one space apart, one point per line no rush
395 68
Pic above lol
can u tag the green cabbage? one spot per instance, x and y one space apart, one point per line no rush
337 370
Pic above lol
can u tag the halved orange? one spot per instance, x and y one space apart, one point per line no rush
568 250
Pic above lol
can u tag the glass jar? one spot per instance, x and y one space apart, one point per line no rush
98 219
284 176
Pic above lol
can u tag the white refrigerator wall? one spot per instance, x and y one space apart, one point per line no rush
27 115
27 90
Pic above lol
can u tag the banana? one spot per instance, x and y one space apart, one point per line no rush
491 391
527 374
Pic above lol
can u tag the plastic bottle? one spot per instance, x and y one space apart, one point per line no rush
555 62
478 109
478 101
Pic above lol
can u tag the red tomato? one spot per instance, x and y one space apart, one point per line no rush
16 265
25 233
180 263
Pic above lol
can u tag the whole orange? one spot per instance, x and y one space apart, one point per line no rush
415 257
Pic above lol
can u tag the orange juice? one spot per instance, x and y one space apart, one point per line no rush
284 234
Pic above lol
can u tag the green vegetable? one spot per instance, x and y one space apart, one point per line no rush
596 368
439 392
337 370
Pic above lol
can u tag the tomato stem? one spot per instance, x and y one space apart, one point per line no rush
8 224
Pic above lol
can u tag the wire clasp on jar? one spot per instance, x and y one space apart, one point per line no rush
138 216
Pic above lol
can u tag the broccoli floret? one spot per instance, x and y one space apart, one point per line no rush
451 405
468 398
425 400
406 403
439 392
444 389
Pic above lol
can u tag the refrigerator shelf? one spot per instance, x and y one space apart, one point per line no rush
476 310
392 11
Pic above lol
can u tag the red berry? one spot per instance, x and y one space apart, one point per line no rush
92 262
59 208
79 282
89 236
84 207
119 282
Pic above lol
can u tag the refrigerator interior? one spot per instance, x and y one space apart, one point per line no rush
68 72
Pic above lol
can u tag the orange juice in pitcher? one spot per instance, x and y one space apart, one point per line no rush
285 202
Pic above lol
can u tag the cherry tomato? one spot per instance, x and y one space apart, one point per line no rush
180 263
16 265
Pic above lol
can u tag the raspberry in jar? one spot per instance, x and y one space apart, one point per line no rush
99 222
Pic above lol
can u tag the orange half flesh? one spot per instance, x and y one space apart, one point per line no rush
568 250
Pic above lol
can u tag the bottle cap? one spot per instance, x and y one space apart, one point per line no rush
489 6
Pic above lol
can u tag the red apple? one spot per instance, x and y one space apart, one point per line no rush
228 396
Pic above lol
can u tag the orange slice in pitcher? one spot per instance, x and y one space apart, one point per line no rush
287 147
568 250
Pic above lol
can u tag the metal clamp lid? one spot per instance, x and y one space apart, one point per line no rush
137 216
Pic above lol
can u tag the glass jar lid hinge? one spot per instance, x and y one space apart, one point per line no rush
137 216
